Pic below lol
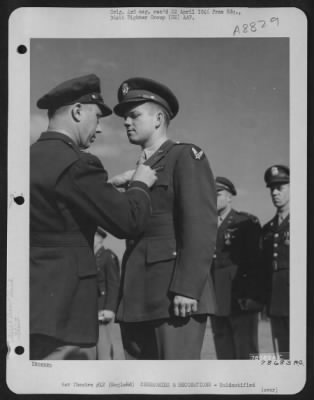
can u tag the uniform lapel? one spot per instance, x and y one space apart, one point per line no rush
284 223
273 224
160 153
227 220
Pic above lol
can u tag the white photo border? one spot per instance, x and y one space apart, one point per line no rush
77 377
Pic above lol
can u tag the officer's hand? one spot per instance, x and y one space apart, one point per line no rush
184 306
145 174
123 179
105 316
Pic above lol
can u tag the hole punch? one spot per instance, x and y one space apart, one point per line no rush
19 350
21 49
19 200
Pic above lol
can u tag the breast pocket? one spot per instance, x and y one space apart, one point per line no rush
163 179
159 250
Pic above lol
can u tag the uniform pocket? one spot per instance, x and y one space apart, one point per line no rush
160 250
162 180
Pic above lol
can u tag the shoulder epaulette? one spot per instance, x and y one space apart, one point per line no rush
249 216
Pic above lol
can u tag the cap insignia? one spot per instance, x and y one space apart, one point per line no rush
125 89
274 171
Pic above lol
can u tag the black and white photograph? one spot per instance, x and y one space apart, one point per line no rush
161 152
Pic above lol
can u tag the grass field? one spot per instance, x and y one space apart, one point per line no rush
208 350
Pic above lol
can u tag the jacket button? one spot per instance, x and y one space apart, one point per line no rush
102 293
275 254
276 235
275 244
214 256
174 253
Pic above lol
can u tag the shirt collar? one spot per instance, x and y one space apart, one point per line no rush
149 151
223 215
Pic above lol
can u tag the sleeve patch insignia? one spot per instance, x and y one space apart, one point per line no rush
197 153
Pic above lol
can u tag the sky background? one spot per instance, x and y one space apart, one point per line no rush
233 96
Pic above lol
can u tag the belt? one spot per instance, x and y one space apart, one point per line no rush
60 239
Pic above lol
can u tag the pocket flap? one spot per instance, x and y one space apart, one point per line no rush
162 180
160 250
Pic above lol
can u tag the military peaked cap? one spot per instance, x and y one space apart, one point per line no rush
84 89
225 184
277 174
141 90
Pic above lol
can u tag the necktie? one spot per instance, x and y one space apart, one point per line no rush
142 158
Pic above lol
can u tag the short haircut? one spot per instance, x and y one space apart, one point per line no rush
164 112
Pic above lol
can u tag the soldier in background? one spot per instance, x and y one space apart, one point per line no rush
276 245
235 273
108 278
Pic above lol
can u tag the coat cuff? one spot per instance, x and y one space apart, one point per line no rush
139 184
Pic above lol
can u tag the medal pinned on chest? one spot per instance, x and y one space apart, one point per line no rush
227 238
286 238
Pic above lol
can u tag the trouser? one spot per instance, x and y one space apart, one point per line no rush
235 336
104 347
166 339
280 336
43 347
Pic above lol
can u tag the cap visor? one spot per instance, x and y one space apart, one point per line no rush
105 110
121 108
277 182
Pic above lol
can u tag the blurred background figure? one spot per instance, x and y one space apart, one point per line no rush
276 246
108 278
235 273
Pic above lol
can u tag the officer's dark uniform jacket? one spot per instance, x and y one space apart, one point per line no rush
173 255
69 199
236 264
276 245
108 279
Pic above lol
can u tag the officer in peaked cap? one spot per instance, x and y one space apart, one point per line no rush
70 197
276 245
166 290
238 298
223 183
277 174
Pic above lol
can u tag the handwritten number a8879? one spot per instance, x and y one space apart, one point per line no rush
254 26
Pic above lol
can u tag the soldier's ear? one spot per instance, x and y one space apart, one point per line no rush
159 119
76 112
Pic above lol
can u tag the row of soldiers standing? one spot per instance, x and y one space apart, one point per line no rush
251 271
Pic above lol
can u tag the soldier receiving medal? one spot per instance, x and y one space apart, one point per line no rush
167 290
